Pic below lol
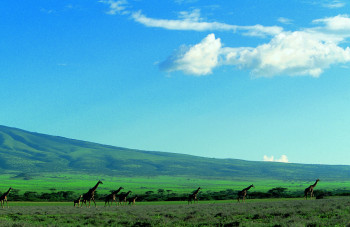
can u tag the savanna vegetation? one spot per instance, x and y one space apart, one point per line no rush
332 211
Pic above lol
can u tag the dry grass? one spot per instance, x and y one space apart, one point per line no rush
326 212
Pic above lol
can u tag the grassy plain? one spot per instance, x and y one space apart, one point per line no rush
271 212
81 183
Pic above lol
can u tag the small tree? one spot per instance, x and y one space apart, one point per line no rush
161 192
277 192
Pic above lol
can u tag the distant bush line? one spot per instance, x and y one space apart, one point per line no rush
169 195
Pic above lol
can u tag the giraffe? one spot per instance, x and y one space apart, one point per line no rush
132 200
193 196
77 201
3 198
310 189
243 193
90 195
122 198
112 196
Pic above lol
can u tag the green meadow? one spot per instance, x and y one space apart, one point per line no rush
81 183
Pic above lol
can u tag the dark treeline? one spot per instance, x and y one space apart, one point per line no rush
169 195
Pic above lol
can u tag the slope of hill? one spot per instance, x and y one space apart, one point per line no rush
27 152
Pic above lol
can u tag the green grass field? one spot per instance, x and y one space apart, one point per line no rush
332 211
82 183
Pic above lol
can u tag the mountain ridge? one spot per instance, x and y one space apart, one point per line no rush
22 151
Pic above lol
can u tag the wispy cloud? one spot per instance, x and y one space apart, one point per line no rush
334 4
116 7
284 20
306 52
185 1
283 158
47 11
191 21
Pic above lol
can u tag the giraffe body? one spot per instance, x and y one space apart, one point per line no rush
122 198
3 198
310 190
90 195
132 200
243 194
193 196
112 196
77 201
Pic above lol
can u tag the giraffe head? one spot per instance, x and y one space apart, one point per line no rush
252 186
100 182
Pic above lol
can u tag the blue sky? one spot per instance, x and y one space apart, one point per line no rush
254 80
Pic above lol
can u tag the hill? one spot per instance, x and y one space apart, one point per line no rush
28 153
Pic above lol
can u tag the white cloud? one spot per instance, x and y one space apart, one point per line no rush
307 52
334 4
185 1
199 59
284 20
289 53
116 6
191 21
283 158
47 11
340 23
193 15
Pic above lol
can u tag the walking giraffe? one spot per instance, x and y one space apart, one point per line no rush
3 198
243 193
77 201
112 196
310 189
90 195
193 196
122 198
132 200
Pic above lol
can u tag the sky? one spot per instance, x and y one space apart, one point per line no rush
255 80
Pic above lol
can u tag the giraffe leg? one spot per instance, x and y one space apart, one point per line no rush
7 204
94 202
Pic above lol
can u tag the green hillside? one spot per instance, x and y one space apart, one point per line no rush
29 153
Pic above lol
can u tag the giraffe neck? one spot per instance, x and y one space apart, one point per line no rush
8 191
314 185
248 188
95 187
116 192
